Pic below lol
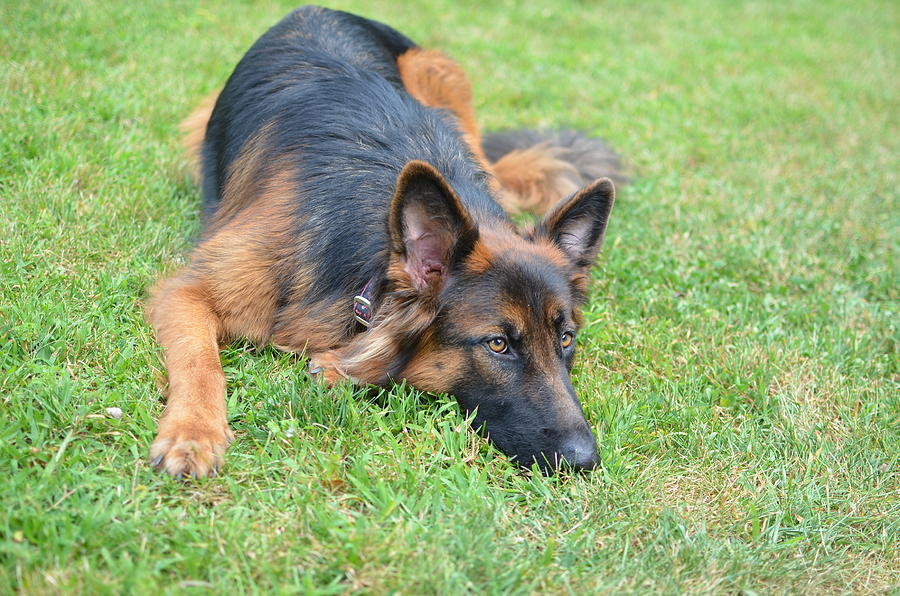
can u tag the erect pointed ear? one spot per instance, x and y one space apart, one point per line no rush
430 229
576 224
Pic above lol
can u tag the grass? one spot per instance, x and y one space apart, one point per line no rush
739 362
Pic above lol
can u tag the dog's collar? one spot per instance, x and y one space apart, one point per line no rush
362 304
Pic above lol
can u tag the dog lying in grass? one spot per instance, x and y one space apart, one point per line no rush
353 214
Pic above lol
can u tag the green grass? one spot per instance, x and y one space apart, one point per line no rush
739 363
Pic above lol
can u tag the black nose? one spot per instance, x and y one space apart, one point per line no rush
580 450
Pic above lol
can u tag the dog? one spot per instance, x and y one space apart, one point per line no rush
352 213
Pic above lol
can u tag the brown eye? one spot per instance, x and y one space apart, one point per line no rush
566 339
497 345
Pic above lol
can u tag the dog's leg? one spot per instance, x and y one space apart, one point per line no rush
365 360
372 357
193 432
194 129
326 367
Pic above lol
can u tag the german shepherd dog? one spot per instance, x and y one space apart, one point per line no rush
352 214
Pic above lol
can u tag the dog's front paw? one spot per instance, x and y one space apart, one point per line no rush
184 449
324 368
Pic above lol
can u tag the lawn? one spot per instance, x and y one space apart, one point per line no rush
739 363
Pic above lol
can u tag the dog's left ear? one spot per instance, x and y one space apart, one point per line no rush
430 229
576 224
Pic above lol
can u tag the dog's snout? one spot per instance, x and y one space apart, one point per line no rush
579 450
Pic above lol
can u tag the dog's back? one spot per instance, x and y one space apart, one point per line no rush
318 98
309 41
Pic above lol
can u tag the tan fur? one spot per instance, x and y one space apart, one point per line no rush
241 259
243 182
480 259
534 179
499 242
533 330
505 240
434 370
530 179
312 329
194 129
437 81
193 432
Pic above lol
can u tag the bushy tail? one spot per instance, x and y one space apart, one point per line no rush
194 129
538 168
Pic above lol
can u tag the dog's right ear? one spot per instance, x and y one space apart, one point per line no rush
577 224
430 229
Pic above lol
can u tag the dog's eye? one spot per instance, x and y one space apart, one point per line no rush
497 345
566 339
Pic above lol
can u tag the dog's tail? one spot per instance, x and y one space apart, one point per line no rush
194 129
538 168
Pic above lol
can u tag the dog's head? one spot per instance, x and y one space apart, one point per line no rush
506 307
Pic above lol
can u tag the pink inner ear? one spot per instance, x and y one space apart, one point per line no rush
427 245
575 236
423 263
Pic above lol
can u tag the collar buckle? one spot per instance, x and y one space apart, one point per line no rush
362 309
